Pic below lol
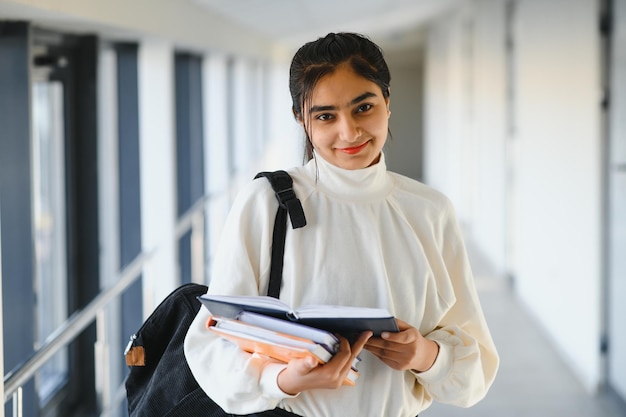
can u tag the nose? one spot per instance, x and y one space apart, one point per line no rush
349 130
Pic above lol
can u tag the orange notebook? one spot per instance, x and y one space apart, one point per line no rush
280 346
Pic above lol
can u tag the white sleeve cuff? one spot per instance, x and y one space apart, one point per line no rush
269 381
441 367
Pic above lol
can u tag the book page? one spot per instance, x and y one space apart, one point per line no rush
261 301
277 345
329 311
322 337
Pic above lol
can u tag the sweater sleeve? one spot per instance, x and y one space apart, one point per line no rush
467 362
239 382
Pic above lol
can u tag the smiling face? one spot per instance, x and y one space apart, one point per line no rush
347 119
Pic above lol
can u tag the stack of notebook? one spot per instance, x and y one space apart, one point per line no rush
266 326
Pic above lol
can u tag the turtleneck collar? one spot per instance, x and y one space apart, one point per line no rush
353 184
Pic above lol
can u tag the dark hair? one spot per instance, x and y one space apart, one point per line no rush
318 58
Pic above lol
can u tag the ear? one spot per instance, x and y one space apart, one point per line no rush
388 101
297 116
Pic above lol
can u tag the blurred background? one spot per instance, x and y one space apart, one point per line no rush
126 129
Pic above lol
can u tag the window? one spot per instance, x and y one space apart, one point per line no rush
49 228
189 157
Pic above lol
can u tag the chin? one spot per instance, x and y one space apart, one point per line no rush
357 163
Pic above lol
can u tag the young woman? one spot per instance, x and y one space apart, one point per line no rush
373 239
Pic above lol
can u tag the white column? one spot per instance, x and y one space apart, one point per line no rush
108 360
158 170
214 82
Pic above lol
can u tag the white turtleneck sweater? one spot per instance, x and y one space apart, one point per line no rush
374 239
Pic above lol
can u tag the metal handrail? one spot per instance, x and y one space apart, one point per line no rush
73 326
192 220
186 221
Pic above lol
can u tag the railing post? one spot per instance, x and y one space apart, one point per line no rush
103 365
17 403
197 247
193 221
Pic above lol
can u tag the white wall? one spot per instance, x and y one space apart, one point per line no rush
560 175
553 218
464 121
487 196
404 151
445 121
285 142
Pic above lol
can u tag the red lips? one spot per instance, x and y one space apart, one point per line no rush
353 150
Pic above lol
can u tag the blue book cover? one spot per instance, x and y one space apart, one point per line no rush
347 321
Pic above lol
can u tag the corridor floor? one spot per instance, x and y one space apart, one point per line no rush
533 381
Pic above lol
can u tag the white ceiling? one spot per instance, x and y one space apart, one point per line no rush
391 23
396 25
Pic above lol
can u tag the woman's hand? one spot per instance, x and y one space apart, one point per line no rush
407 349
304 374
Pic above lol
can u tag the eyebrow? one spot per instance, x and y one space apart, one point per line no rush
360 98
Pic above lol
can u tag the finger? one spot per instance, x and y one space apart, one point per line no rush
306 365
302 366
389 357
343 350
404 337
402 325
360 343
346 353
380 344
356 348
342 357
384 350
387 349
407 334
376 342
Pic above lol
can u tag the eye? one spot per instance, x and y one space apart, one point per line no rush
324 117
363 108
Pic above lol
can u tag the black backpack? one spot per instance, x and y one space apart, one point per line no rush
160 383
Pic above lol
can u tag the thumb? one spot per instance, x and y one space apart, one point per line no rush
310 363
305 365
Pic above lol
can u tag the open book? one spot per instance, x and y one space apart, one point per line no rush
282 346
345 320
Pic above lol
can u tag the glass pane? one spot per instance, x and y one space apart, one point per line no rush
49 228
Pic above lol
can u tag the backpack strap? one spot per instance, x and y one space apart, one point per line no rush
282 184
288 203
